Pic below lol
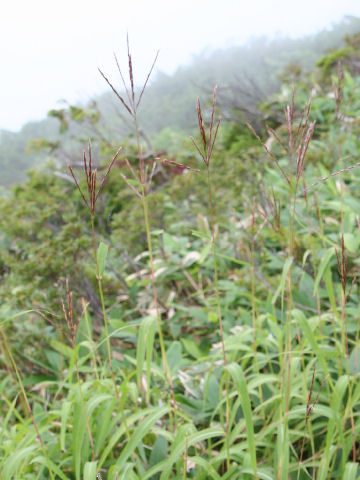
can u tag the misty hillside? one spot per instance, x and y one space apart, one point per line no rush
246 75
188 308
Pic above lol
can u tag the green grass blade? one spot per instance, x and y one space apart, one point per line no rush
14 461
179 449
101 257
9 319
78 437
206 466
145 348
46 463
335 421
282 284
351 470
104 427
323 265
90 470
310 337
65 410
234 260
147 412
239 380
282 452
139 433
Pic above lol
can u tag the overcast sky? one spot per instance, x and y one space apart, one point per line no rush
50 49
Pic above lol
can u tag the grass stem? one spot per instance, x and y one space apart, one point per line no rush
216 281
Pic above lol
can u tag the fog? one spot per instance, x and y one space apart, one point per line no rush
51 50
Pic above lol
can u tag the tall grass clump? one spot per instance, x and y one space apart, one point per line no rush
99 255
140 185
298 140
205 151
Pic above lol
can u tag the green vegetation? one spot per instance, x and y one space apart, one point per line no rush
196 314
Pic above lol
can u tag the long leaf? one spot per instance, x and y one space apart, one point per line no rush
78 437
65 409
145 348
197 437
139 433
9 319
101 257
282 284
90 470
147 412
323 264
48 463
15 459
239 379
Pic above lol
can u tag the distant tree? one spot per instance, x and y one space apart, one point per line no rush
348 56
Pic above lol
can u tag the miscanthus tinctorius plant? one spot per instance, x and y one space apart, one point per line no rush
205 150
140 184
299 133
90 198
139 180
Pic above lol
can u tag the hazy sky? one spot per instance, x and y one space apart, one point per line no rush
50 49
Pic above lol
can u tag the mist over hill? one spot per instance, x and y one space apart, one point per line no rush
247 75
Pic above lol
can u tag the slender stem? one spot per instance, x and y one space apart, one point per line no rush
345 348
289 301
215 268
107 330
286 364
93 357
227 411
253 304
144 201
103 307
184 476
158 316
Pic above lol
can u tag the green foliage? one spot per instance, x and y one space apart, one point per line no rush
348 56
60 115
44 241
238 138
331 60
76 114
41 144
